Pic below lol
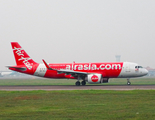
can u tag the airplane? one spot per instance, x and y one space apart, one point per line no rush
87 72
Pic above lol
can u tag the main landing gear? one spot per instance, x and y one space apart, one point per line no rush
82 83
128 82
78 81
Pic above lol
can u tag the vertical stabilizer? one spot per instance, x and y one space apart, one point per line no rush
21 57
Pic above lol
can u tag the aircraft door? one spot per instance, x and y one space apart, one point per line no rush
127 67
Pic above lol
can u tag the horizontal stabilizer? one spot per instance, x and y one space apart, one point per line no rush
19 68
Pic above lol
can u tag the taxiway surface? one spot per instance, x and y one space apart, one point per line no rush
73 87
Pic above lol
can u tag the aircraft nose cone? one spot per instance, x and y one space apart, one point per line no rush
146 72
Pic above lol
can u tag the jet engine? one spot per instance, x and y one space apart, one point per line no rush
96 78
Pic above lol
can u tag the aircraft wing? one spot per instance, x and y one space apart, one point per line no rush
71 71
67 72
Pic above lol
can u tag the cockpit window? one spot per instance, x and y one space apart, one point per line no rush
140 67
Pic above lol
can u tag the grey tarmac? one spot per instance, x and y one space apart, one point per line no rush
73 87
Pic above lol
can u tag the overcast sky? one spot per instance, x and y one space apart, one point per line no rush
61 31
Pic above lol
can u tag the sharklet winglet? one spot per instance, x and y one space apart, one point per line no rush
47 66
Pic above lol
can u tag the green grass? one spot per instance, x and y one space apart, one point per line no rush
77 104
137 81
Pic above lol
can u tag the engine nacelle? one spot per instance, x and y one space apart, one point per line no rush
94 78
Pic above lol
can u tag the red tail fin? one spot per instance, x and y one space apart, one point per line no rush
21 57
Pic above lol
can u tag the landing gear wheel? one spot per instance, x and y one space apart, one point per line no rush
128 83
83 83
77 83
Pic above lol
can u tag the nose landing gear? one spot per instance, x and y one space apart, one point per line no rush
128 82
